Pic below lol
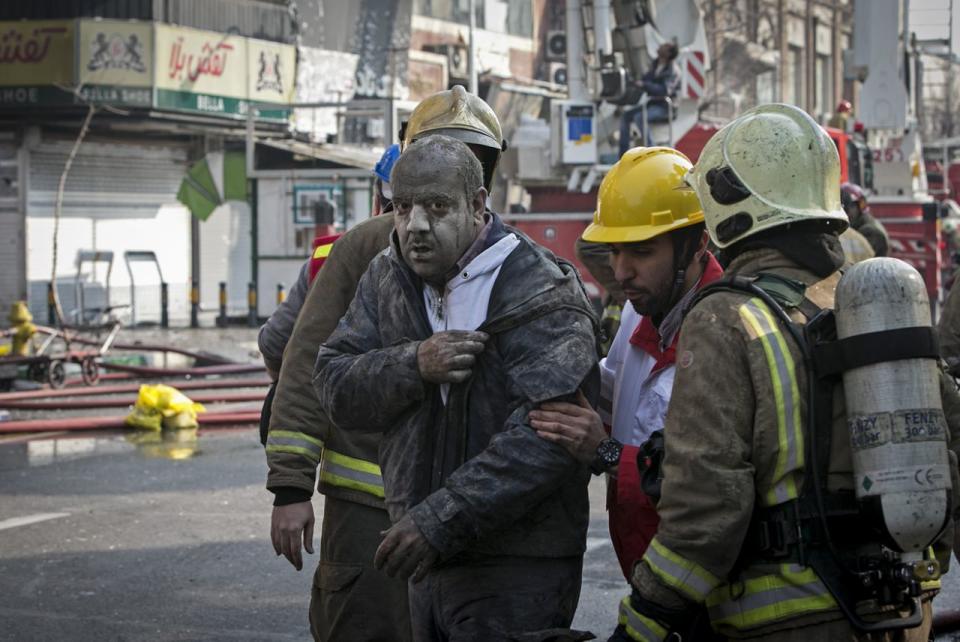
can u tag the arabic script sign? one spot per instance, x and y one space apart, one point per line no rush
201 62
36 52
143 64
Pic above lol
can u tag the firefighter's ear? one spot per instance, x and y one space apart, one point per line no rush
479 203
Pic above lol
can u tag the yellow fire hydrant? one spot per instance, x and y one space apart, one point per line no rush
22 328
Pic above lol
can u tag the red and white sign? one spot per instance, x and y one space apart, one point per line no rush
694 71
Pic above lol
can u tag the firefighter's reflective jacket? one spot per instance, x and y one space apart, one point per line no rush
301 437
735 437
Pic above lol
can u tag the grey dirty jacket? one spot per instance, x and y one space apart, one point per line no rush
472 473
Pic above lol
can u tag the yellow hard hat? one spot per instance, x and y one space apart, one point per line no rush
458 114
643 196
772 166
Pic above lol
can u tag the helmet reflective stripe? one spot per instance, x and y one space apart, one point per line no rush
772 166
643 196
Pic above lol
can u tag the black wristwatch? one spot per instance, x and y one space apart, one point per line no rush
608 456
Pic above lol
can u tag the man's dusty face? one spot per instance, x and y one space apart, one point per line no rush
434 220
645 271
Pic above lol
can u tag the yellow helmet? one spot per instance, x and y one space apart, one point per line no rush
458 114
772 166
642 196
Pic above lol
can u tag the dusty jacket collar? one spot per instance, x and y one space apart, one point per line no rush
753 262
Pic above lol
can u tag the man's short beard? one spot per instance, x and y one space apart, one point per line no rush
652 306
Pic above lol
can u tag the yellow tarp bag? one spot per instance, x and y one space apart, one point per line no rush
159 406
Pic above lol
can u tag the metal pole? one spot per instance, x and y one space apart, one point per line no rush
164 306
471 48
602 35
576 82
948 103
252 304
222 318
194 304
51 307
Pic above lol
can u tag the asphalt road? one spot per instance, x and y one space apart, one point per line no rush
104 539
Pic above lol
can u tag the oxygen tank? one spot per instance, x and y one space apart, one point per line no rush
894 413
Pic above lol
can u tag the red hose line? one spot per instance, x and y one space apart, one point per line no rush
146 371
123 402
192 384
149 347
145 347
100 423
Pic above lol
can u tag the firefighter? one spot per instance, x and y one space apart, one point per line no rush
350 600
949 329
738 530
854 203
652 226
275 333
596 258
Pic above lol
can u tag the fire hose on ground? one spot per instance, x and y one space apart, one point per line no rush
149 371
206 419
123 402
202 384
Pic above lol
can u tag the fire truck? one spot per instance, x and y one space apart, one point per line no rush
560 163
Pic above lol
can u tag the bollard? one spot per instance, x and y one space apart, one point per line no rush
252 305
222 318
164 306
194 305
281 294
51 307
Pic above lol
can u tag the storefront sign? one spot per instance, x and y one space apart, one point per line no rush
35 57
215 73
115 62
271 71
143 64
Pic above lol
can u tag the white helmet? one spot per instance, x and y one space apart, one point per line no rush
772 166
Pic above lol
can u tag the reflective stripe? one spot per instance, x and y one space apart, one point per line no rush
297 443
350 472
638 626
930 585
322 251
787 397
766 599
688 577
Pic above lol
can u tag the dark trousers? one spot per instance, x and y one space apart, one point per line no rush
351 600
656 113
497 599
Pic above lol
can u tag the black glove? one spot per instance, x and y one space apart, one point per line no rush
650 465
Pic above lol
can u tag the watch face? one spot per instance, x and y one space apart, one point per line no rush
609 452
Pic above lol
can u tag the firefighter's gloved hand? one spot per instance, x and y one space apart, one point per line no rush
642 620
576 427
404 551
288 525
449 357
